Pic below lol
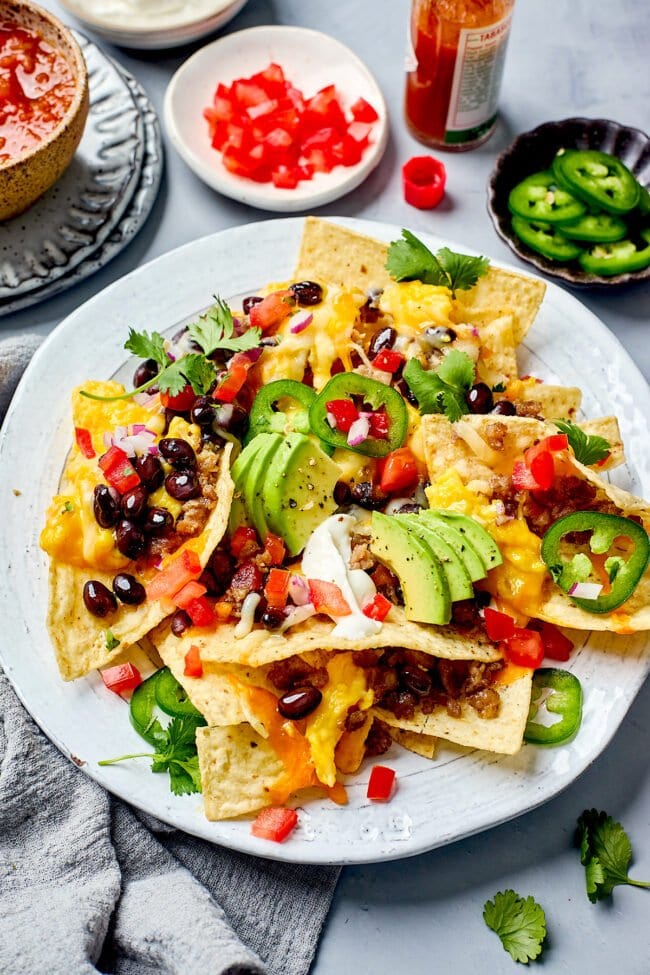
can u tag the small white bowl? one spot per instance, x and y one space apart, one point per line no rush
159 30
311 60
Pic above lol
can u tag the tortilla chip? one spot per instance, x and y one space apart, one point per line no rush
423 745
553 402
340 256
607 427
503 734
79 639
238 768
502 292
497 359
262 646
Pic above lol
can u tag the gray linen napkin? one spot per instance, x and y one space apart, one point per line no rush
89 885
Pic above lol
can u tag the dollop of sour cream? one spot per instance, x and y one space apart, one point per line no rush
155 14
327 557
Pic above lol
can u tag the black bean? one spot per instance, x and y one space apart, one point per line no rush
180 622
129 539
177 452
232 419
248 303
133 504
145 372
128 590
183 485
150 471
158 521
479 399
203 411
504 408
403 387
272 619
410 508
307 293
416 680
342 494
98 600
299 702
382 340
105 507
367 496
439 336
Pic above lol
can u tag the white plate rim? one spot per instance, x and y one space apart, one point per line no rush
265 196
19 629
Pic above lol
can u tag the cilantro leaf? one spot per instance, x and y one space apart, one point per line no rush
463 270
588 448
409 259
199 372
111 640
519 923
442 390
216 330
175 753
605 853
147 346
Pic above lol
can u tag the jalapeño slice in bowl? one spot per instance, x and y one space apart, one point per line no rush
623 568
546 239
540 197
594 228
619 257
598 178
556 692
372 397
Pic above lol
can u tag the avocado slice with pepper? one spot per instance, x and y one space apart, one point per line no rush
460 543
458 578
252 480
475 534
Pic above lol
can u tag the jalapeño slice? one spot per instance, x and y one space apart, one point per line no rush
564 698
546 239
172 698
142 710
623 569
540 197
620 257
265 417
373 394
594 228
597 178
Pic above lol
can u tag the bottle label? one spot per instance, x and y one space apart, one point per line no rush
477 80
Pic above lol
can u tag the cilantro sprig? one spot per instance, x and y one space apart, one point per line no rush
605 853
520 924
588 448
175 753
214 330
409 259
442 390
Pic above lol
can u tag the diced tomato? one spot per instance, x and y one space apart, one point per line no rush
379 425
276 589
363 111
244 542
272 311
286 177
274 549
328 598
540 463
275 823
556 442
399 471
388 361
247 578
180 403
522 478
499 626
248 94
232 382
377 608
557 646
84 442
381 783
200 611
118 470
121 678
193 666
524 648
344 412
191 590
176 574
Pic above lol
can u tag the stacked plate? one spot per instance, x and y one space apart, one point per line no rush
100 202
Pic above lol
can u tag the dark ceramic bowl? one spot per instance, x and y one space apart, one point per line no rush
535 150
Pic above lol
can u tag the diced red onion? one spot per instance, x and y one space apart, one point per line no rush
145 399
331 419
137 439
300 326
224 414
299 590
586 590
251 354
238 326
475 332
298 615
359 431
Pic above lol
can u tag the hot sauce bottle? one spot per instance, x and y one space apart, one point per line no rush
454 67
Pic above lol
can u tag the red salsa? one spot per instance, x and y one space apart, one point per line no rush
36 89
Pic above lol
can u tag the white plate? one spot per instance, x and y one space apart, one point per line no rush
460 792
160 25
311 61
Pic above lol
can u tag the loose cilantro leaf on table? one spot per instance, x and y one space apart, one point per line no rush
605 853
409 259
175 754
588 448
520 924
442 390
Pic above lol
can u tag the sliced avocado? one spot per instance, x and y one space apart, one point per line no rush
298 490
481 539
460 543
239 471
253 480
458 578
422 578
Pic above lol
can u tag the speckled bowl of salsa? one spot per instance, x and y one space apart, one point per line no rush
43 103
